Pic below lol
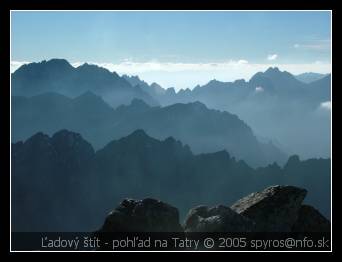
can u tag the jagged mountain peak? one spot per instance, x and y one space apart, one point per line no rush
89 97
154 84
136 106
58 75
56 62
38 68
276 74
66 135
65 140
293 160
38 137
94 69
272 70
139 133
222 154
139 140
138 103
198 104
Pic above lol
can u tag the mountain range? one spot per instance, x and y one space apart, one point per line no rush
204 130
58 75
271 102
60 183
310 77
83 138
275 105
272 82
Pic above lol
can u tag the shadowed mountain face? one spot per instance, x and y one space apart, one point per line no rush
60 183
121 144
272 103
153 90
277 82
47 174
57 75
280 85
203 129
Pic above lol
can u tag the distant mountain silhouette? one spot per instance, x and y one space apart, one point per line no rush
271 102
309 77
60 184
50 112
57 75
273 82
204 130
153 90
283 82
319 90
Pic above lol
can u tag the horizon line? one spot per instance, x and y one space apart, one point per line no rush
137 69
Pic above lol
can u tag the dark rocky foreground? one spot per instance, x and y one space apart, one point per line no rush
275 209
148 215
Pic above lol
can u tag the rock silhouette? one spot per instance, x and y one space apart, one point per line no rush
58 75
310 220
275 209
216 219
203 129
147 215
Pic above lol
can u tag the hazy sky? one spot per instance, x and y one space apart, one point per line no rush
179 49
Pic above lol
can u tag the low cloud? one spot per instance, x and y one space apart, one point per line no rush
272 57
129 67
188 75
14 65
326 105
259 89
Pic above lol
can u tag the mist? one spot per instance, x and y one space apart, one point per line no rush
85 138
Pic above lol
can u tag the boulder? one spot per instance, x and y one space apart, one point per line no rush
310 220
216 219
147 215
274 209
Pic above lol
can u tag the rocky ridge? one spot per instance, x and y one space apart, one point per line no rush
275 209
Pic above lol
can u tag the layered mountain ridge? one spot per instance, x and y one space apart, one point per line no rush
60 183
204 130
58 75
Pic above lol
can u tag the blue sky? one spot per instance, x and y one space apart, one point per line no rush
173 47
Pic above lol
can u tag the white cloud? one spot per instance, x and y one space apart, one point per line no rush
326 105
188 75
272 57
259 89
242 61
315 45
14 65
140 67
